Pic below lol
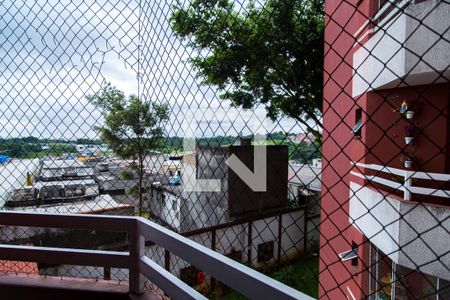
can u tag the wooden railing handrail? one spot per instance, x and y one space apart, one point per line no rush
241 278
68 221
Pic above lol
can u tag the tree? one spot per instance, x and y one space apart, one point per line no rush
270 54
132 128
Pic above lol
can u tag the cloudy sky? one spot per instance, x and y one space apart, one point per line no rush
54 53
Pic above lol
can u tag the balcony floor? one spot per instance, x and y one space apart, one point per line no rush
37 288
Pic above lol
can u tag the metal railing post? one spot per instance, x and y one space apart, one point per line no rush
167 260
107 273
249 243
407 186
213 247
137 251
280 227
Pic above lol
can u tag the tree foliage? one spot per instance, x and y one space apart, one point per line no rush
133 128
31 147
270 54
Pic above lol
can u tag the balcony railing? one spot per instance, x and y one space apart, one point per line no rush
405 46
406 186
387 11
239 277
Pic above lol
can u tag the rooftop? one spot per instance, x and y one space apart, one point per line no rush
102 203
306 175
64 183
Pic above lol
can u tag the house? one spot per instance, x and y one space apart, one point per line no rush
307 138
64 169
85 149
184 210
56 181
47 192
385 226
305 186
13 176
101 204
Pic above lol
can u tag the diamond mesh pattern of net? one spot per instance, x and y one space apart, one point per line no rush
64 50
164 49
428 102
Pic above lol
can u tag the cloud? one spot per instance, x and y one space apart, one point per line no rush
54 53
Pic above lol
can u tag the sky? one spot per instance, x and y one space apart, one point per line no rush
54 53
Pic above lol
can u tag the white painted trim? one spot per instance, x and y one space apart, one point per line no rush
384 169
358 41
345 256
364 25
351 294
431 176
429 192
395 5
381 22
406 186
400 172
437 288
380 180
393 279
72 221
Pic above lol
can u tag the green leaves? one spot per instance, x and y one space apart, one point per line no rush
270 54
132 127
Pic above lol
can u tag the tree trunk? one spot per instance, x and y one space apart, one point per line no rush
141 177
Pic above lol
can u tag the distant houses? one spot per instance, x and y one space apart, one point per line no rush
91 149
307 138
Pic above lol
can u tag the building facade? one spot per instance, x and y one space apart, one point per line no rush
385 219
184 210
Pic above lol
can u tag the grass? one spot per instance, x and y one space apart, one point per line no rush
301 274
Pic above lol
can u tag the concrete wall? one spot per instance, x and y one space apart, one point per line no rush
382 138
232 238
165 206
210 164
412 235
154 162
242 199
194 210
405 51
203 209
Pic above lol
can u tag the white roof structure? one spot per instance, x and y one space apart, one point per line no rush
306 175
100 203
64 183
13 175
62 163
